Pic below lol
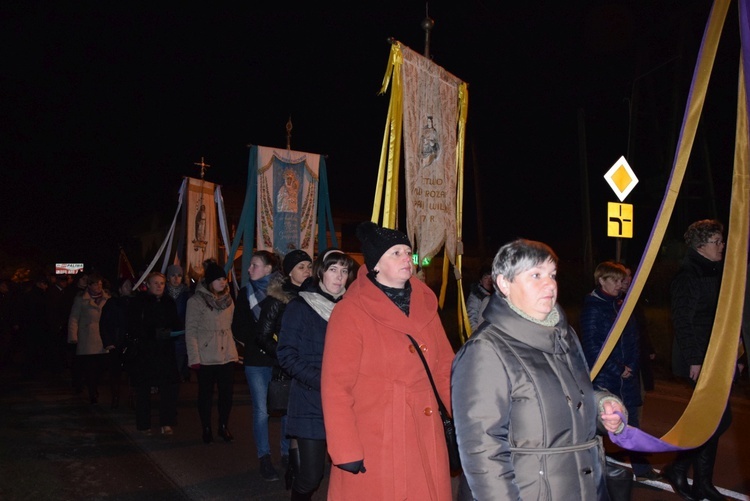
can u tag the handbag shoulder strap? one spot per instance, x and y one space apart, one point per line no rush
441 406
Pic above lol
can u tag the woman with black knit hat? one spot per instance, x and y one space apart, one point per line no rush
282 288
382 424
210 347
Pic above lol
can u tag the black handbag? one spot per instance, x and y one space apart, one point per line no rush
277 399
454 459
129 353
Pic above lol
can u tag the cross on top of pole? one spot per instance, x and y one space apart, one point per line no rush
203 165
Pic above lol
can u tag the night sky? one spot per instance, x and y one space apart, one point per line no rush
106 107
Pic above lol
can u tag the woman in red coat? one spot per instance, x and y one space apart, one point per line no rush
384 432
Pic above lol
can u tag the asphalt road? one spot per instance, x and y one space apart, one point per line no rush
54 445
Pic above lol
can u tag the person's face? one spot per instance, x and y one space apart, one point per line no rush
156 286
175 280
627 281
258 269
83 282
334 278
96 287
126 288
486 282
713 249
612 285
301 272
219 285
533 291
395 267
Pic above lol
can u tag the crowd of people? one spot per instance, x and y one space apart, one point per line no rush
530 422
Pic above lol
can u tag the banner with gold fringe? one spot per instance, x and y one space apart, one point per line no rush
428 111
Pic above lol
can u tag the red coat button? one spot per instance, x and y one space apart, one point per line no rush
428 411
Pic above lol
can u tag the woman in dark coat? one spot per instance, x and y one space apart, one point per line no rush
300 354
620 373
525 410
694 297
152 319
113 325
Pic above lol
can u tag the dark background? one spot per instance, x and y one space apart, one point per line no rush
106 106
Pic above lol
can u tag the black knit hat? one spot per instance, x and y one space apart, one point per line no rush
293 258
376 241
213 272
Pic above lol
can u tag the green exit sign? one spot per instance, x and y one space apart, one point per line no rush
425 262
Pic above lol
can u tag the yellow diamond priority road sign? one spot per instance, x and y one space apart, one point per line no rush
621 178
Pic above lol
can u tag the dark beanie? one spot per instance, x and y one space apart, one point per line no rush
214 271
376 241
174 269
294 258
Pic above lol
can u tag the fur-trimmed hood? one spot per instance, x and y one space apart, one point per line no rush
282 288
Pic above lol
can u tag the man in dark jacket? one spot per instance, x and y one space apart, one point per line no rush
695 295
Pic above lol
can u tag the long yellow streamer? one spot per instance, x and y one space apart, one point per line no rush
391 150
702 415
696 425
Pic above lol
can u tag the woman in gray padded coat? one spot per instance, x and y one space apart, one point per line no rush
525 410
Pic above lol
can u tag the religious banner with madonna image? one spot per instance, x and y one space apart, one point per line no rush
287 200
202 241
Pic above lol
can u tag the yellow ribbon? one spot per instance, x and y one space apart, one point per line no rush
390 153
707 404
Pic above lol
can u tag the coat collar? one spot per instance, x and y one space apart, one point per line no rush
547 339
374 302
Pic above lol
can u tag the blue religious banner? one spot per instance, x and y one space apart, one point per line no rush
286 205
288 196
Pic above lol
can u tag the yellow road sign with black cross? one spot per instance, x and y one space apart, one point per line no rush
619 220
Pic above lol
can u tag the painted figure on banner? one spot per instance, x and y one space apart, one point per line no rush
200 229
287 199
288 195
430 143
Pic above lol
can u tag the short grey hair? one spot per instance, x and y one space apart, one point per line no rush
700 232
518 256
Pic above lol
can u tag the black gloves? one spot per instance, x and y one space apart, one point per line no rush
353 467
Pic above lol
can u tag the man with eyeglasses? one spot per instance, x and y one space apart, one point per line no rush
694 295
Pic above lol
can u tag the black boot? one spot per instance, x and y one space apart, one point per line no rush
676 475
300 496
292 468
207 436
225 433
703 467
619 482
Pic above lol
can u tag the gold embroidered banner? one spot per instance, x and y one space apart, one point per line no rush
430 141
428 111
